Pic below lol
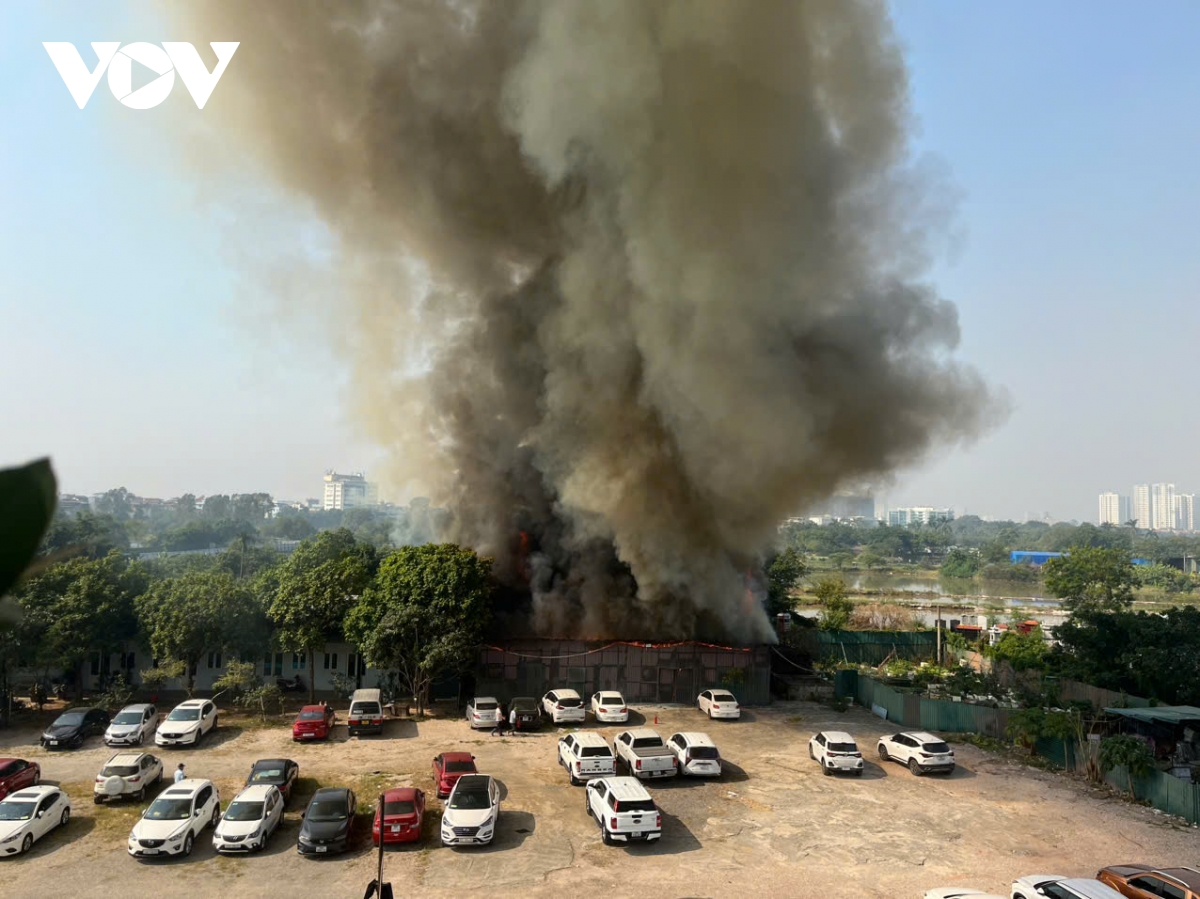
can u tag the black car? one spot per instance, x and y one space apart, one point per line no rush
73 726
528 715
280 773
328 822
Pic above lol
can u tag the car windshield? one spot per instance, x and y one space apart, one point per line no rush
16 811
312 716
399 807
633 805
240 810
459 767
723 697
327 810
524 705
366 708
485 706
119 771
611 699
591 752
704 752
128 718
469 800
647 742
258 775
184 715
69 719
570 702
842 747
163 809
936 747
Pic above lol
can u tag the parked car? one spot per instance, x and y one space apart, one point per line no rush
403 814
249 820
1138 881
836 751
719 704
526 708
609 707
959 893
585 755
623 809
175 819
562 706
315 722
127 774
922 752
366 713
73 726
328 822
695 754
29 814
1035 886
187 724
132 726
471 812
448 768
279 773
16 774
644 753
483 711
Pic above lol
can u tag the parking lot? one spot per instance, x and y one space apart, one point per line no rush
771 826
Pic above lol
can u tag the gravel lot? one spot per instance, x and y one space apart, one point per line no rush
771 826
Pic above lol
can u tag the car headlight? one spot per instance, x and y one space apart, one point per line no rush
488 822
10 839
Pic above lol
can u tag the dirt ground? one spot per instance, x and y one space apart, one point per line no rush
771 826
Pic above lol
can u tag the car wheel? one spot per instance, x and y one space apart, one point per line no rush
139 794
64 817
858 772
826 770
141 739
97 799
216 816
27 843
883 753
188 842
571 778
914 767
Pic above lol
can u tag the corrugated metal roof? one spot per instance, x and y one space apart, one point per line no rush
1168 714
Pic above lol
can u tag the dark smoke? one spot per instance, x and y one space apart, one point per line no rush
662 262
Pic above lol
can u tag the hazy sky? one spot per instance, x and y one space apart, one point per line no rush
1071 130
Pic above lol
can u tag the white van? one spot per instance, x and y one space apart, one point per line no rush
366 712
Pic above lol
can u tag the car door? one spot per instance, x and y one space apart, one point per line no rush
819 748
149 719
599 800
202 805
146 770
1147 887
420 807
210 716
46 815
94 723
494 794
351 808
293 771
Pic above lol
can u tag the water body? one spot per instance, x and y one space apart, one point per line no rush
1010 593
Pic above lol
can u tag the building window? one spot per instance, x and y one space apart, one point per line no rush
267 664
331 661
299 660
214 660
131 661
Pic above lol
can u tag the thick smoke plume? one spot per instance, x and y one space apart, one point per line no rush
659 265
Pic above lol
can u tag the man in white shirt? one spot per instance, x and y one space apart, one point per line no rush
179 775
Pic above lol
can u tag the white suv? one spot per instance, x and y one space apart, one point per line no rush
175 819
471 812
249 820
132 726
836 751
127 774
564 705
623 809
187 723
719 704
1037 886
922 752
695 754
609 707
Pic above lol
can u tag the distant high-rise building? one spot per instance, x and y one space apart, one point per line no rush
349 491
1114 509
844 505
1162 507
1185 511
918 515
1142 506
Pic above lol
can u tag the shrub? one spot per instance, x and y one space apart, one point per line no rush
1128 751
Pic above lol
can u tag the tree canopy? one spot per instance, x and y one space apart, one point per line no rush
1091 578
784 570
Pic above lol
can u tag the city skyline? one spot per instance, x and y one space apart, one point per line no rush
1156 507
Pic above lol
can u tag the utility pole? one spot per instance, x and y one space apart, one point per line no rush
939 632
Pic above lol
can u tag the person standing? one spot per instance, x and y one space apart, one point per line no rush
179 775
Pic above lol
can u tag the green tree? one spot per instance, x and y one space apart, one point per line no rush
289 526
784 570
199 612
868 559
318 586
117 503
425 612
1026 727
960 563
1091 578
85 534
1124 750
836 606
1022 651
217 507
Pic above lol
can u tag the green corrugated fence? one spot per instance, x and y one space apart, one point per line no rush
1161 790
869 647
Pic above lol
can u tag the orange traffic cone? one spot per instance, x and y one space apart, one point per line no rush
656 719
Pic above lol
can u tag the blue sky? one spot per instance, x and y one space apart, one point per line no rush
1071 130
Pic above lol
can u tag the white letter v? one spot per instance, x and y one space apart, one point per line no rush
80 82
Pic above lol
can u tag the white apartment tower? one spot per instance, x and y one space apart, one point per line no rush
349 491
1141 506
1114 509
1162 507
1185 511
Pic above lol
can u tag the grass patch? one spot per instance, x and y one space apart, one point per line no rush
1001 748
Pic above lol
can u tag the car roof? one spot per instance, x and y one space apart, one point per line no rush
256 792
330 793
721 690
126 758
695 738
191 703
34 792
78 708
837 736
626 788
1091 889
922 736
610 693
317 707
1189 877
479 699
565 691
4 762
473 782
639 732
589 738
1128 870
264 763
457 757
137 707
186 787
400 794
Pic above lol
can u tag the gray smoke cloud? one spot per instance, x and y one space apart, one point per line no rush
661 264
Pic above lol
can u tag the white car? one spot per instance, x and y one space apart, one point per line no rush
959 893
132 726
836 751
695 754
922 752
187 724
127 774
29 814
718 704
482 711
175 819
1037 886
471 812
563 706
609 707
623 809
249 820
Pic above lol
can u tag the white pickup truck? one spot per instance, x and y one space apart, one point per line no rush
585 755
623 809
645 754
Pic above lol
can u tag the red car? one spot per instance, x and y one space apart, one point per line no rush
403 812
315 722
448 768
16 774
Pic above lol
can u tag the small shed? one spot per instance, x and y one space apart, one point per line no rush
1173 732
